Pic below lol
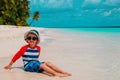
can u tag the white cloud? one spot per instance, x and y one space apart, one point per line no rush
41 1
112 2
118 9
113 12
55 3
98 10
92 2
108 13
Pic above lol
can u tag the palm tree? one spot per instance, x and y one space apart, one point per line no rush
36 16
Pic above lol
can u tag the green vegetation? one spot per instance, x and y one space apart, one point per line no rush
14 12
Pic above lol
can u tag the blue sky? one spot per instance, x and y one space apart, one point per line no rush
88 4
93 12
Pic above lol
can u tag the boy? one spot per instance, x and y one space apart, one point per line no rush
30 54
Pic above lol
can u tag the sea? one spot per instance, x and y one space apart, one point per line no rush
68 15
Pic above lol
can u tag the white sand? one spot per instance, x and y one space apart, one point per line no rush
88 56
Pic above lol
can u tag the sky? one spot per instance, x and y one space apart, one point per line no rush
101 12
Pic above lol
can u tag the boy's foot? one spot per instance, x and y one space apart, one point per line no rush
61 75
68 74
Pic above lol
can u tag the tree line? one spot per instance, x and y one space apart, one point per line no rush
16 12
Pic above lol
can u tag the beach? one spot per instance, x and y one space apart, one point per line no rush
87 55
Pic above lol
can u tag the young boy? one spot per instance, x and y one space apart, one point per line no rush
30 54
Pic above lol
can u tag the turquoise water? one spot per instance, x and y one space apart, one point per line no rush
75 13
92 30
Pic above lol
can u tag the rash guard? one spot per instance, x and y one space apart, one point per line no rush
27 54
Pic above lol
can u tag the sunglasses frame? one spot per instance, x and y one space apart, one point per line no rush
31 38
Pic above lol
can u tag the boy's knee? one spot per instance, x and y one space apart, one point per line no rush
42 65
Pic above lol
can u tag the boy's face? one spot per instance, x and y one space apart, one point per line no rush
32 40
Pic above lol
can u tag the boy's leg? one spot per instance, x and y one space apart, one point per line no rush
51 71
56 68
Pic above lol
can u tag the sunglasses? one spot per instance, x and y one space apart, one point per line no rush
32 38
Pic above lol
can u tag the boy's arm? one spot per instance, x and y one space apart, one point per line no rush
16 56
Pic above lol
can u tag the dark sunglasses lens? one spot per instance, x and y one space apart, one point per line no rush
28 38
32 38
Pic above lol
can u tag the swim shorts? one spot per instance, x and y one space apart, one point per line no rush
33 66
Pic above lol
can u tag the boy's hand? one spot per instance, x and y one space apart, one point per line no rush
8 67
